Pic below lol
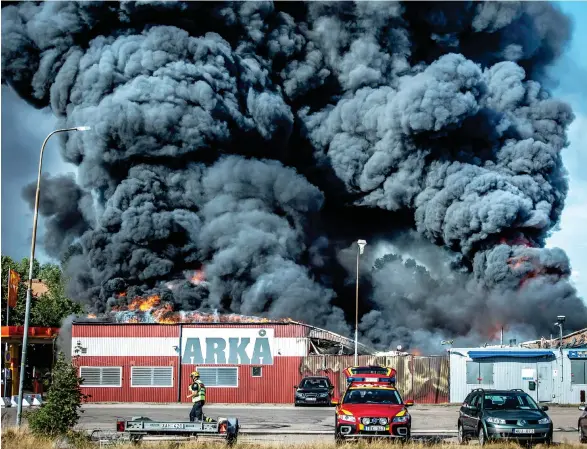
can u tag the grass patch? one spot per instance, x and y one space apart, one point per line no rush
22 439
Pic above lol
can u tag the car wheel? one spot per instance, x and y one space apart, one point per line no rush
482 436
582 436
338 439
548 440
408 437
461 437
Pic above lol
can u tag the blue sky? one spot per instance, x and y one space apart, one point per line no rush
570 71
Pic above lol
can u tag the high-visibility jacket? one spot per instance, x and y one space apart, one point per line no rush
198 386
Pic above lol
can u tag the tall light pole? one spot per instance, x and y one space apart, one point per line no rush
559 322
30 280
361 244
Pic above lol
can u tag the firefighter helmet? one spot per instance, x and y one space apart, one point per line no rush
195 374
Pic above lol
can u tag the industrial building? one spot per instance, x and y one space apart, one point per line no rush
260 362
554 375
257 362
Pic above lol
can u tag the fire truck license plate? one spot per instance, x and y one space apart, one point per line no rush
523 430
375 428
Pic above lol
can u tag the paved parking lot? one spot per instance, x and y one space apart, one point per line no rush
428 418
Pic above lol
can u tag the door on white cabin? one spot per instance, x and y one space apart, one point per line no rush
544 382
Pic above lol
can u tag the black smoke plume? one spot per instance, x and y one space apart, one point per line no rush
256 141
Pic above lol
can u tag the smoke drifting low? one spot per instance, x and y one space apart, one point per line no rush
256 141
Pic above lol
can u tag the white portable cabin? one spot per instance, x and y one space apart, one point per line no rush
548 375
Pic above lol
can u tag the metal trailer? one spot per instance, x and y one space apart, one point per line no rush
139 427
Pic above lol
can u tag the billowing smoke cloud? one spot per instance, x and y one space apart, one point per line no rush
68 207
256 141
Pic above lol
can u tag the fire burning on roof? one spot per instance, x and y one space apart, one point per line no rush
152 310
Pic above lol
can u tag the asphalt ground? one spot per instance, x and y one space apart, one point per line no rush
290 424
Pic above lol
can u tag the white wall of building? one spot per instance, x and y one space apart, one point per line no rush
552 376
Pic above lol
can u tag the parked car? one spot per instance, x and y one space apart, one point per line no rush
582 425
314 390
503 414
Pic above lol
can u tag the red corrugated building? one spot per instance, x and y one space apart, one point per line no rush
238 363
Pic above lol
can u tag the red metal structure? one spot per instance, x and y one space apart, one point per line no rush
12 337
258 362
264 356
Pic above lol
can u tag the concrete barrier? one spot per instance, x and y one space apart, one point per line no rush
6 402
14 401
33 399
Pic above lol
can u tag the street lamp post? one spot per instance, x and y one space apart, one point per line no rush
30 280
361 244
560 319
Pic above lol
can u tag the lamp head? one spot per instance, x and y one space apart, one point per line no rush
83 128
361 244
560 319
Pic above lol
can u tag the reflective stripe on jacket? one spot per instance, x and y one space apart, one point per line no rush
201 389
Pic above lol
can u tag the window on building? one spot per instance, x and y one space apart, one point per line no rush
257 371
101 376
151 376
219 377
578 371
477 370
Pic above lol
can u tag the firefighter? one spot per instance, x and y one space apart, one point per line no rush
197 391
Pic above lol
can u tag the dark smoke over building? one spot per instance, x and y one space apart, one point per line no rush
256 141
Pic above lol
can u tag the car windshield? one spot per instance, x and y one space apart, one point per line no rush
371 396
509 401
314 383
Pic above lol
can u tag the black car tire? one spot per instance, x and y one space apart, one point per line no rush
462 437
482 436
408 437
548 440
338 439
582 436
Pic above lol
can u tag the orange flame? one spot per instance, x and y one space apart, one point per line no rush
150 309
198 277
416 352
92 315
121 294
144 304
